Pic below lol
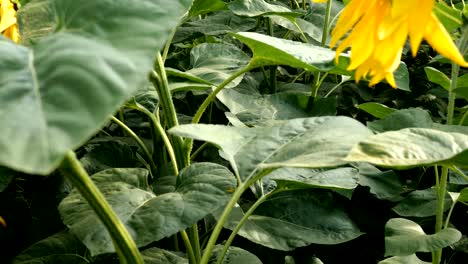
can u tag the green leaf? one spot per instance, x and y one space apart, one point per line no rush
254 8
463 195
462 86
405 118
216 62
298 178
251 107
411 259
323 107
106 155
450 17
308 143
201 189
385 185
420 203
234 255
412 147
161 256
62 247
376 109
200 7
217 24
296 219
312 30
438 77
404 237
275 51
46 110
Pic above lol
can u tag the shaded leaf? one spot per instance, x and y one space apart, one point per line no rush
200 7
309 142
62 247
420 203
385 185
216 62
6 175
201 189
405 118
404 237
438 77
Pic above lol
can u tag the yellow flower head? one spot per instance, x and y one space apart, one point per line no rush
378 30
8 26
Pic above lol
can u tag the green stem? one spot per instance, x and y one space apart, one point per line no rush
156 125
159 80
188 246
227 211
123 242
437 255
241 223
218 89
195 242
317 80
140 143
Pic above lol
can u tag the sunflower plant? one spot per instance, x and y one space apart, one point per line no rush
253 131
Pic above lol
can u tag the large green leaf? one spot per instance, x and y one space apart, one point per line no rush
254 8
384 185
206 6
234 255
420 203
35 20
57 94
62 247
201 189
296 219
412 147
404 237
309 142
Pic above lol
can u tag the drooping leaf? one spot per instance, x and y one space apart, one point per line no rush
62 247
308 143
201 189
47 110
405 118
412 147
410 259
420 203
161 256
376 109
311 30
254 8
385 185
234 255
405 237
297 219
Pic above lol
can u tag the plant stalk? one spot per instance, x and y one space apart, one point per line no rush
124 245
188 246
140 143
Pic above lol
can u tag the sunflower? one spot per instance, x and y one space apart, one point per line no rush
378 30
8 26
